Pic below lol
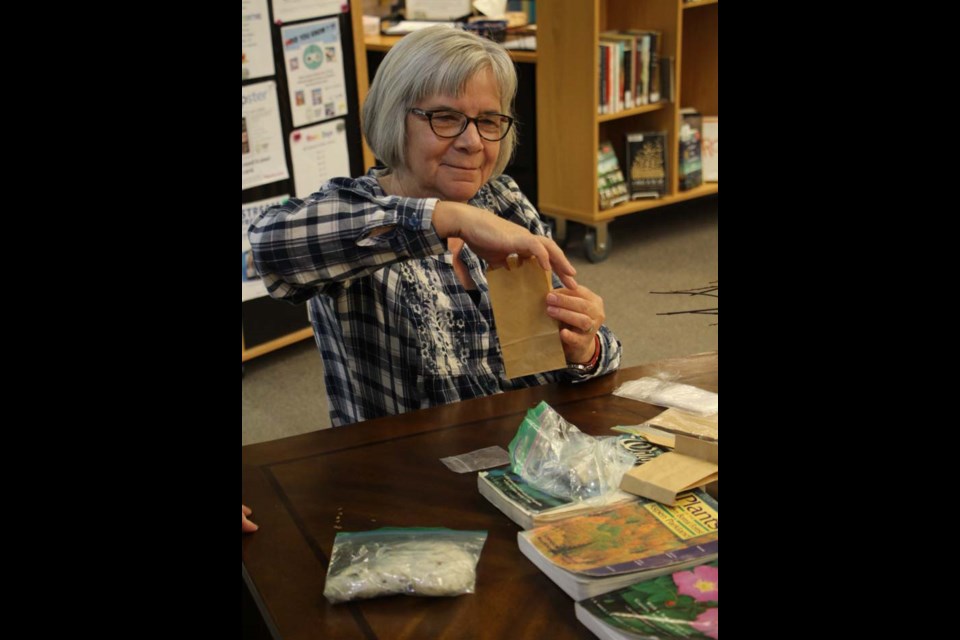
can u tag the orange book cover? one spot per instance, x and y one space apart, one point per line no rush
639 536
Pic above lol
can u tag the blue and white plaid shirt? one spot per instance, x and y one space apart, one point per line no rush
396 329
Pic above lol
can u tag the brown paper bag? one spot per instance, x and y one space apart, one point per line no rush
529 338
681 422
694 463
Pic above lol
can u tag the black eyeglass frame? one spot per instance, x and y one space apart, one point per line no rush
466 122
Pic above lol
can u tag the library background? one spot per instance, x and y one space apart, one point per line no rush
618 100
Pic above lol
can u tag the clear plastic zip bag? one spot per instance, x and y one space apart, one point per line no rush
407 561
556 457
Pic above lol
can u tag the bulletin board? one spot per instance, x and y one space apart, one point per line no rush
311 99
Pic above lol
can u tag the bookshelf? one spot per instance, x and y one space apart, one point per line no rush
570 128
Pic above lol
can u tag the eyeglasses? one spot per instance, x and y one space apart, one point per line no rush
450 124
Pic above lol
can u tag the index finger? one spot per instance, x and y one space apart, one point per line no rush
556 261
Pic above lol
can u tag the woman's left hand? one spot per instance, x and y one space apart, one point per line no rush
245 525
580 312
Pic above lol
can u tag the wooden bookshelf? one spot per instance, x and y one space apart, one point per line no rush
570 128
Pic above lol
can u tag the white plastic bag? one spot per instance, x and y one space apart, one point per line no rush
665 393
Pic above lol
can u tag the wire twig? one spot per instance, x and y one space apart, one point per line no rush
700 291
710 292
715 311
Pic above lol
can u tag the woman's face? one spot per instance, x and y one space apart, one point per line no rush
452 168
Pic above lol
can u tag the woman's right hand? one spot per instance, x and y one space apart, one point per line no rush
494 239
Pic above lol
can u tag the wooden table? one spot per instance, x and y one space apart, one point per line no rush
387 472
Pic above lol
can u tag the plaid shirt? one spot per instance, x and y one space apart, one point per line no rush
396 329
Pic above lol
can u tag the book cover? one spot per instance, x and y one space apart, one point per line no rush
668 80
645 41
709 147
595 553
604 82
647 164
611 184
684 604
530 507
653 64
691 174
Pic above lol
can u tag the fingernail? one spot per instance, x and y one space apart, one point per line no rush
552 298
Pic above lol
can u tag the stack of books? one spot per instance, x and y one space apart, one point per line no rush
531 507
635 567
600 552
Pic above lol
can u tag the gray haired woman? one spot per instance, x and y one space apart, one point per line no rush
393 264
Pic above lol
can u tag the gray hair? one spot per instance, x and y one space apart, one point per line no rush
434 61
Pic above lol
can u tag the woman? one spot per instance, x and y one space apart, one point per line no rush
394 263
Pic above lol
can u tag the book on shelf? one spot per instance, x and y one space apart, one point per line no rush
709 146
611 184
668 79
647 164
609 60
683 604
530 507
600 552
643 61
691 173
652 45
602 79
